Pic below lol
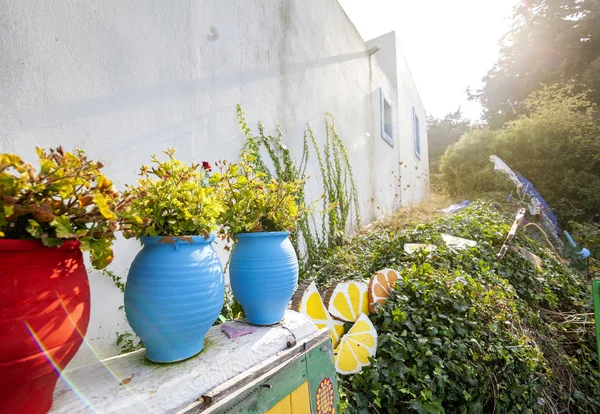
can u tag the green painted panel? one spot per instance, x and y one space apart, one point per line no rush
596 294
270 390
322 377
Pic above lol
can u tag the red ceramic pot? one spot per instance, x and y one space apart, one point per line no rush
44 314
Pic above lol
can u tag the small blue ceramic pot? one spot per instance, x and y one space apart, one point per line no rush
174 294
263 272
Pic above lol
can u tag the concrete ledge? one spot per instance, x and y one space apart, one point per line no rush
132 384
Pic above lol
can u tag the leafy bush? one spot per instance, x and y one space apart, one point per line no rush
556 146
253 202
464 332
441 132
466 167
68 199
172 199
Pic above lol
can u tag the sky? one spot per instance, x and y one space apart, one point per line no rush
449 44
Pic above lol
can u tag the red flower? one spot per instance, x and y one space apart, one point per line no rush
206 165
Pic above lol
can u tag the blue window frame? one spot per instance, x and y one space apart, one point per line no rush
387 116
416 134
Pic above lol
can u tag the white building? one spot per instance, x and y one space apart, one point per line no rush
126 79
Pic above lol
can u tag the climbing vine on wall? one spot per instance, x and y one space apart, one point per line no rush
339 197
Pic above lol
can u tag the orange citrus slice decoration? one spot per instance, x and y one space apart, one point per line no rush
356 347
380 287
307 301
347 300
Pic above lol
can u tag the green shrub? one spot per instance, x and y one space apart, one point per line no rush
67 199
556 146
172 198
466 167
466 333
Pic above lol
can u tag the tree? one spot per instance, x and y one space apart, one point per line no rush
551 41
442 132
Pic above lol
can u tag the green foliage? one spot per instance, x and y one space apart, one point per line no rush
447 342
68 199
172 199
339 197
284 169
466 168
556 146
115 278
253 202
232 308
550 41
466 333
127 342
338 182
442 132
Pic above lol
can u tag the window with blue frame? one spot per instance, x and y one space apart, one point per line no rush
417 134
387 126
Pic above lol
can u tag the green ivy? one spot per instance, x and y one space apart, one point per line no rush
466 333
128 342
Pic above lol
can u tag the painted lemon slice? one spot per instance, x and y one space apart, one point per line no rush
307 301
348 300
356 347
380 287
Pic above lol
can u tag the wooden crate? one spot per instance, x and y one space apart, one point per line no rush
299 381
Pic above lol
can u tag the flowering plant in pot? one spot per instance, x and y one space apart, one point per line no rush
258 215
46 218
175 286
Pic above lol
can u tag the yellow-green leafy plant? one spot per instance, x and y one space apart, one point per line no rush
255 202
67 199
172 198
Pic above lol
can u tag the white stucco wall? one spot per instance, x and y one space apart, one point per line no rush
126 79
414 169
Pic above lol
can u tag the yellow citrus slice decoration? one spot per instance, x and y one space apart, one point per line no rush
307 301
356 347
348 300
380 287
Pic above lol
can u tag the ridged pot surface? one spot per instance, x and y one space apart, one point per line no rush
263 272
44 305
174 294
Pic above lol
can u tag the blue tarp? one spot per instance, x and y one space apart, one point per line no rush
455 207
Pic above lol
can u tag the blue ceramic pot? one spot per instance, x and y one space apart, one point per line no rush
263 272
174 294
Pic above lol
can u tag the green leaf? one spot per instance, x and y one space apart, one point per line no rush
64 230
8 211
34 228
101 254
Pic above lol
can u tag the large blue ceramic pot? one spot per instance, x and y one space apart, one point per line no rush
174 294
263 272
